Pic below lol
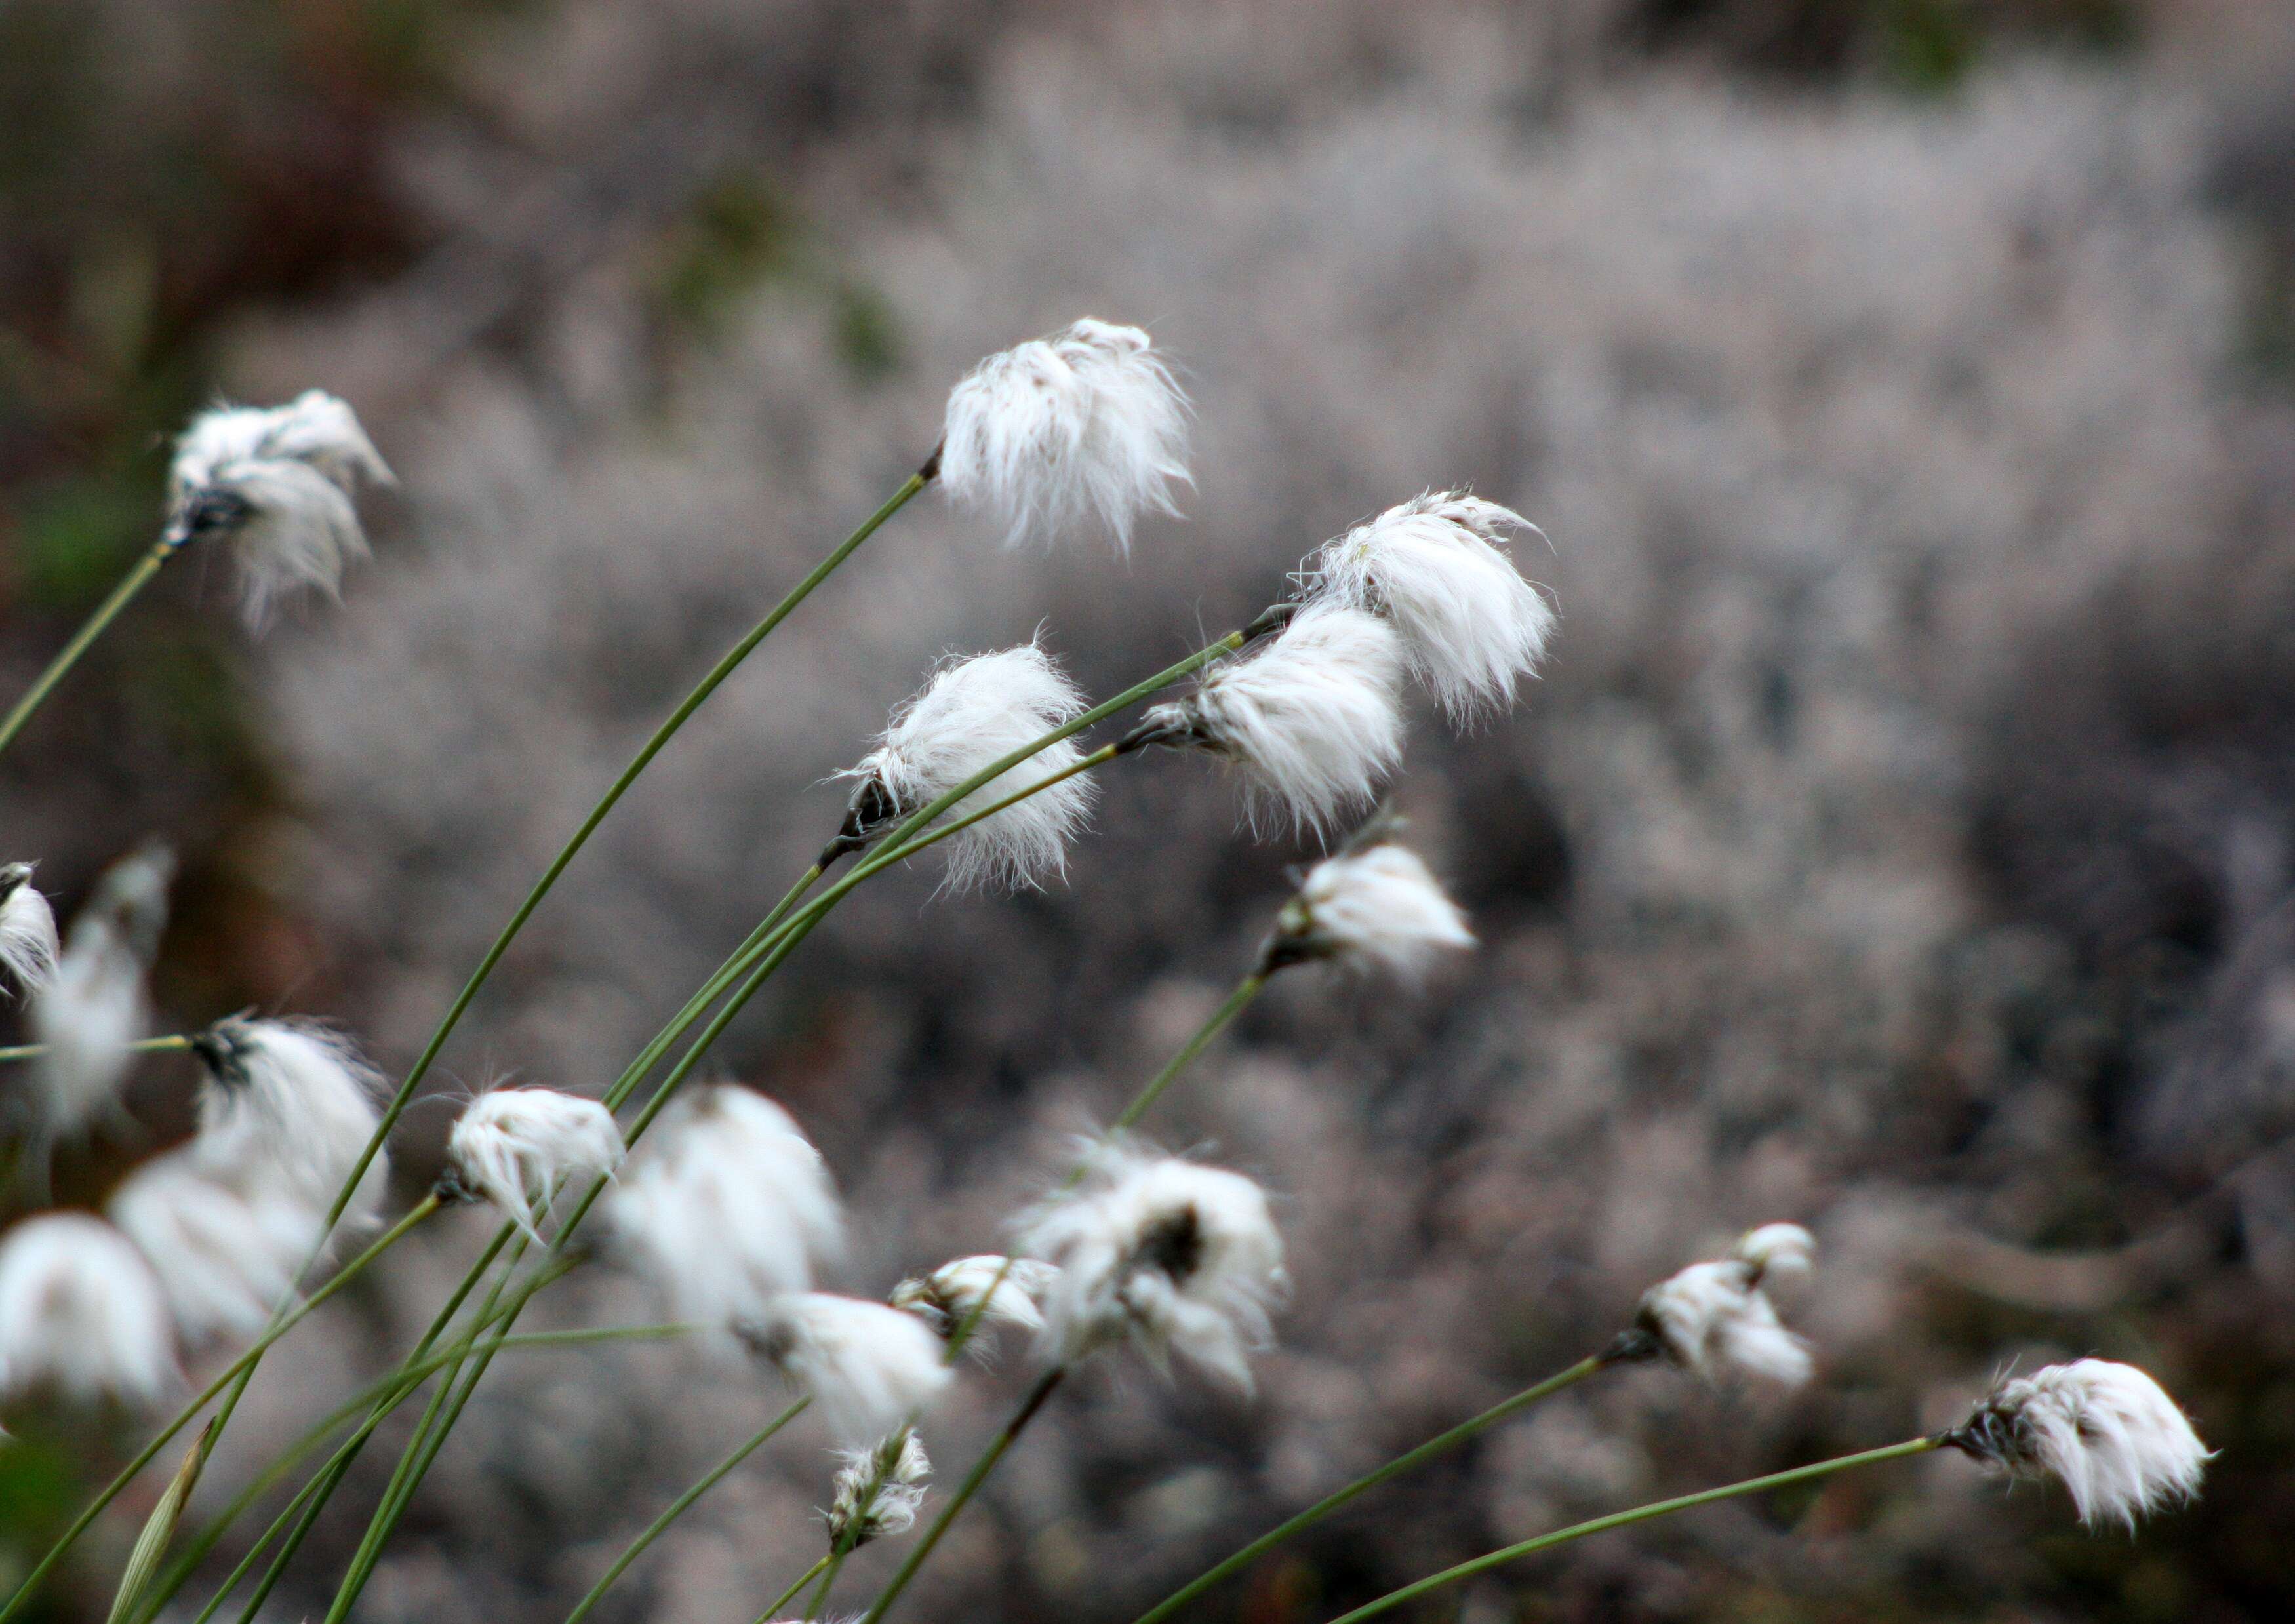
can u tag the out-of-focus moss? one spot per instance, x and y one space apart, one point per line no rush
868 331
75 534
736 234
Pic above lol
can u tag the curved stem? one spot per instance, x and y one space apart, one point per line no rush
1439 1444
120 597
1639 1514
772 1611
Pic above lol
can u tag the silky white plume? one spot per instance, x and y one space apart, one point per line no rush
988 1289
1374 909
1087 422
1171 1253
225 1254
1438 567
870 1368
1311 719
970 715
727 1205
878 1491
1713 1318
27 930
291 1102
515 1147
275 484
2106 1431
94 1007
81 1313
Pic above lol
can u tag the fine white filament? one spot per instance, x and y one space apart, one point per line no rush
987 1289
1374 909
1087 423
81 1313
515 1147
870 1368
1713 1318
27 930
879 1490
291 1104
2106 1431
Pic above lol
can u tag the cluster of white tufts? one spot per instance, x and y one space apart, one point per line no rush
27 930
877 1490
1170 1254
1372 908
869 1369
2107 1432
1087 423
93 1007
973 714
1715 1319
291 1104
986 1290
515 1147
274 484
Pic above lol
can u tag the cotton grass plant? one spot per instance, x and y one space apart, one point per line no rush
714 1194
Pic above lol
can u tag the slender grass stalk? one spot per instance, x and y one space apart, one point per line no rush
146 1045
677 1508
134 582
1639 1514
828 1581
772 1611
1410 1461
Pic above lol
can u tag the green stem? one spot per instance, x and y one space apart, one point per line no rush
965 1491
772 1612
122 595
677 1508
1640 1513
146 1046
827 1580
1410 1462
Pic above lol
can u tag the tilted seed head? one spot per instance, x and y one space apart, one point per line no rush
514 1147
2107 1432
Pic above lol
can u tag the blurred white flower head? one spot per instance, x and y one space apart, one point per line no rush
869 1369
1086 424
275 484
970 715
27 930
1714 1320
1172 1255
226 1255
80 1312
290 1103
2106 1431
727 1205
1312 719
1375 907
95 1007
1438 567
879 1490
514 1147
1000 1291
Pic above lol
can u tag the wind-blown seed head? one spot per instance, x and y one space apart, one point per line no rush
869 1369
80 1312
1776 1251
727 1204
1438 567
970 715
225 1254
514 1147
879 1490
1311 719
1009 1287
95 1007
275 484
2106 1431
27 930
1715 1319
1088 422
1373 908
292 1102
1172 1255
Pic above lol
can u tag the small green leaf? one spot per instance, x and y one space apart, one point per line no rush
160 1528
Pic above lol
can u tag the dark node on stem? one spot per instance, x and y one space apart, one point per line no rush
221 1050
213 511
930 471
773 1341
451 1192
872 808
1164 725
11 880
1274 617
1174 1246
1280 951
1636 1346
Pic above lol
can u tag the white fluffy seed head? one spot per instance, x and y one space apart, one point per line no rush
1372 908
971 714
1439 568
95 1007
2106 1431
727 1205
1311 719
1714 1320
869 1369
224 1253
879 1490
1088 423
275 485
1776 1251
27 930
1172 1255
516 1147
290 1103
81 1313
1002 1290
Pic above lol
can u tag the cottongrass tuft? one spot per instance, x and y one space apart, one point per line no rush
727 1205
1171 1254
1713 1318
2107 1432
275 484
1375 907
1438 567
1312 719
81 1313
27 930
869 1369
971 714
225 1254
879 1490
95 1007
1000 1291
1088 422
514 1147
292 1098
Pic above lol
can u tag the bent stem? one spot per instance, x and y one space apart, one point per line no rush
1408 1461
120 597
677 1508
1639 1514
